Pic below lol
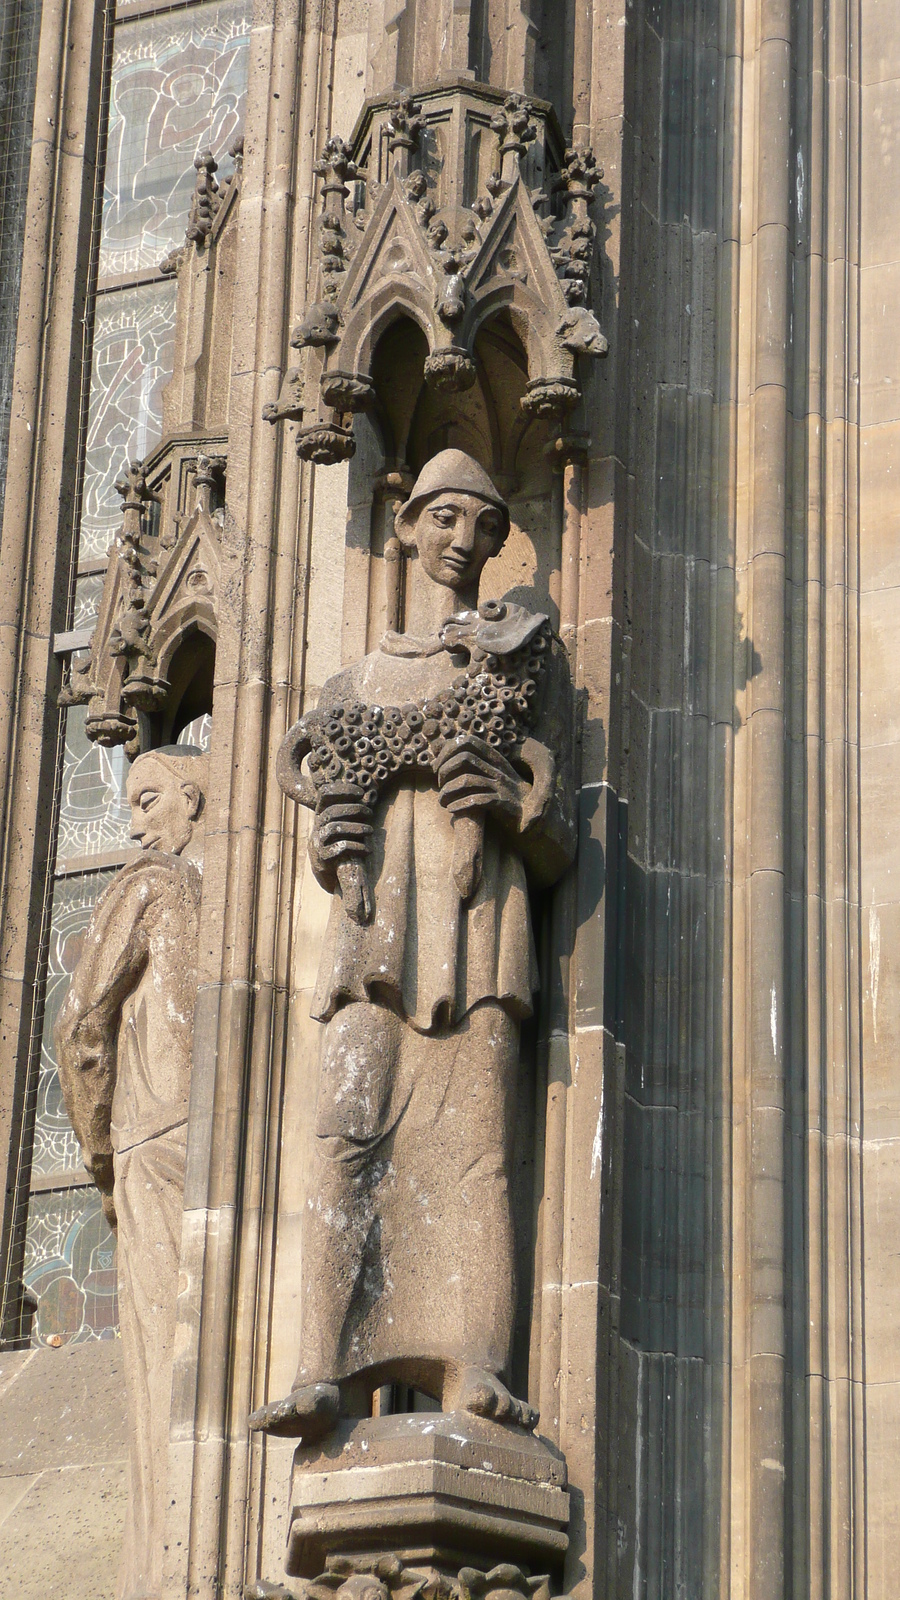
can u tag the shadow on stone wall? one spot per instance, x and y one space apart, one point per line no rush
673 1345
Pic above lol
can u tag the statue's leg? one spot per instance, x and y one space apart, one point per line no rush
341 1239
448 1231
149 1189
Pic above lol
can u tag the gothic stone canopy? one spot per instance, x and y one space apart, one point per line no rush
448 209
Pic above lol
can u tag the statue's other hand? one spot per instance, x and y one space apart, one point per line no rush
342 830
473 777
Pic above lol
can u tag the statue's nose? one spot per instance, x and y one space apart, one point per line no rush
464 535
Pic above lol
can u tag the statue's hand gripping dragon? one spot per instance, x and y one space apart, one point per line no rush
354 751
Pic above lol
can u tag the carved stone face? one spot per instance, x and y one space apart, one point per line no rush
455 534
163 807
579 331
318 326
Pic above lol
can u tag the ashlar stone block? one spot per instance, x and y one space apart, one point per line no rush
447 1487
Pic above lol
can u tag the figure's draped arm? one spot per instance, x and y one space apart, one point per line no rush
86 1033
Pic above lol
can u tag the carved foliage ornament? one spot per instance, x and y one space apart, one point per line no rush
412 247
388 1578
209 202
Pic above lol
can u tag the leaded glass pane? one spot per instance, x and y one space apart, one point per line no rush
94 814
70 1264
88 592
179 86
56 1149
198 733
134 342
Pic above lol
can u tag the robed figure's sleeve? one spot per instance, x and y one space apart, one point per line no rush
110 966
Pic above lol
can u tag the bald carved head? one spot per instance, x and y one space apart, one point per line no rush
166 790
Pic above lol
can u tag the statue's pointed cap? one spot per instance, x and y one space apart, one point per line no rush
453 470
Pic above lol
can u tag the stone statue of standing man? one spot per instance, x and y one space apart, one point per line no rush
123 1043
438 767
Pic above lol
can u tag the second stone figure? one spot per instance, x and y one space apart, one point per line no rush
439 770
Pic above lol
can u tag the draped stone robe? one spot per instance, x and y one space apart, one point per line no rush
409 1198
124 1039
425 953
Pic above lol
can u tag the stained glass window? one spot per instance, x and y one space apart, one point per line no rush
178 87
70 1263
88 593
55 1149
134 342
198 733
94 814
70 1266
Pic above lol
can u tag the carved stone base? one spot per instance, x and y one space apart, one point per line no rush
446 1488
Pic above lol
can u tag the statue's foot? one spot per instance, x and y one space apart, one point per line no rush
307 1414
484 1395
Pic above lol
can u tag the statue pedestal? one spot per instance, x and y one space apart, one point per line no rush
444 1490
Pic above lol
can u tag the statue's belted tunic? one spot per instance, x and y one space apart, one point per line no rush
425 954
408 1246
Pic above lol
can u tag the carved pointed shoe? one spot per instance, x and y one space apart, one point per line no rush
308 1413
